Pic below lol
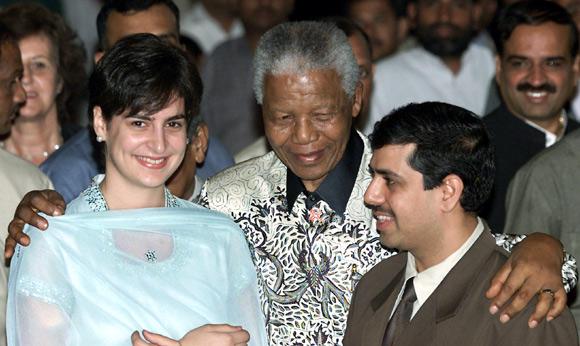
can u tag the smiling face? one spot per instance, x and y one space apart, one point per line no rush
307 119
40 80
406 214
143 151
536 73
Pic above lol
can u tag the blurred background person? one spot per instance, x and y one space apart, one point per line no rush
54 80
384 21
211 22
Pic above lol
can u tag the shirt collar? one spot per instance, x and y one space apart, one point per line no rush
338 184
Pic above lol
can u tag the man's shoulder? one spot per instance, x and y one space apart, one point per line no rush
400 61
480 54
501 124
258 167
239 184
555 160
23 173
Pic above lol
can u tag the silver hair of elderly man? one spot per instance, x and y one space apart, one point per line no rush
299 47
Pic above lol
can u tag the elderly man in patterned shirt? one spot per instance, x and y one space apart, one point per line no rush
301 205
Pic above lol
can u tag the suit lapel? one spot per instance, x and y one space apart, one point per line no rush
456 286
383 303
446 301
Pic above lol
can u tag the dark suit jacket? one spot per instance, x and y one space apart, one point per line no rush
515 143
456 313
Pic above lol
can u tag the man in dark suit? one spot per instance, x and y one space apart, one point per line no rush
537 67
432 169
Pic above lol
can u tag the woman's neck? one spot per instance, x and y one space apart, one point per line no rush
121 196
35 139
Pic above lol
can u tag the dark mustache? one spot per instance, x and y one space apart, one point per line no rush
547 87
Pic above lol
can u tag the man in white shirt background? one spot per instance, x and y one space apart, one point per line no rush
446 65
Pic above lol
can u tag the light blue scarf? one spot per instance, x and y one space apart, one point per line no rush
93 278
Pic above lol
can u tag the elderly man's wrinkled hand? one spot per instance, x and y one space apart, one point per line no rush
45 201
534 268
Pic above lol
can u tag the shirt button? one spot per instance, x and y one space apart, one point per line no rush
311 198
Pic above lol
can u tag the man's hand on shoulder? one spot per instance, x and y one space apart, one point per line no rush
533 268
46 201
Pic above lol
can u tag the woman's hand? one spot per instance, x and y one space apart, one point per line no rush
206 335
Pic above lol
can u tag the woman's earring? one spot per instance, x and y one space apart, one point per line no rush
99 139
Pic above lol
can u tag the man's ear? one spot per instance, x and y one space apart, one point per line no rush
576 67
497 68
199 144
452 190
99 123
357 102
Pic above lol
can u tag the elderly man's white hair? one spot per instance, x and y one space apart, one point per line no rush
299 47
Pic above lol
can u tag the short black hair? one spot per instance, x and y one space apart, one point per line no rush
449 140
126 6
142 74
533 13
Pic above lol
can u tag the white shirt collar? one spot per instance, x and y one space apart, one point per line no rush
427 281
550 137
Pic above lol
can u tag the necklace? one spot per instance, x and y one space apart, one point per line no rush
54 148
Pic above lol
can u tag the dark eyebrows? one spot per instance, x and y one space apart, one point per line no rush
177 117
148 117
516 57
383 172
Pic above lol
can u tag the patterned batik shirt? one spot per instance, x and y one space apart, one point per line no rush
308 261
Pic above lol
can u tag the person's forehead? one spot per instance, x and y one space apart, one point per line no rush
360 6
393 157
550 36
10 61
157 20
307 82
426 4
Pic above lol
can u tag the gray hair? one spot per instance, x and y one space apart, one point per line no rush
299 47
